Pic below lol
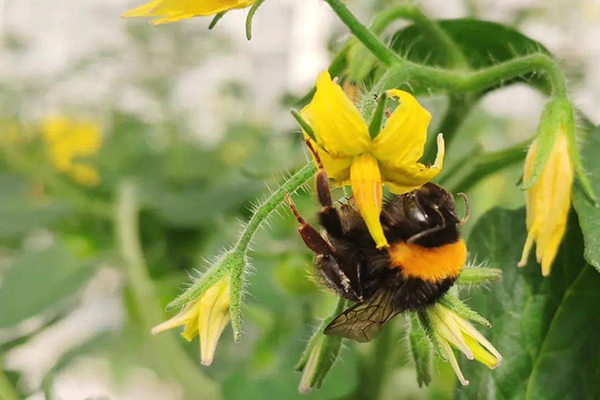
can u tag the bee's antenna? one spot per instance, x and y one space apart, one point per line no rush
314 152
465 219
299 218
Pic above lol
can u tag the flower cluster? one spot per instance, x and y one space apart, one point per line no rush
352 157
69 143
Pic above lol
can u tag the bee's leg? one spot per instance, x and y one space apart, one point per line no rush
329 217
312 238
327 266
334 278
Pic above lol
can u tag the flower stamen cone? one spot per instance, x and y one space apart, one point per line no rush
453 331
206 317
169 11
548 202
368 195
352 157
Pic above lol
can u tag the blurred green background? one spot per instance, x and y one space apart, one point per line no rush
199 123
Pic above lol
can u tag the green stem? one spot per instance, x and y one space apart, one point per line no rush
263 211
7 389
250 18
402 70
454 55
381 51
170 356
234 260
476 81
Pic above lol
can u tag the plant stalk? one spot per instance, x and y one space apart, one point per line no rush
170 355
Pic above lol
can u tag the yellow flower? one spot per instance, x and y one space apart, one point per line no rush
454 331
352 157
67 142
174 10
548 202
207 317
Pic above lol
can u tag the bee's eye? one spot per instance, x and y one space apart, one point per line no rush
415 212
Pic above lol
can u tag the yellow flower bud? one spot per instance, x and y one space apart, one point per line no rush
453 331
548 202
206 317
67 142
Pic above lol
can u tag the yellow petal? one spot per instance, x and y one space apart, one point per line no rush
213 317
368 195
481 354
175 10
449 354
401 142
412 176
338 125
189 312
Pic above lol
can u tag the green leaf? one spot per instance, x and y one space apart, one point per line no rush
483 43
589 214
39 282
545 328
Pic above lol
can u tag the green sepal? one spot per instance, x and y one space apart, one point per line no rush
216 20
427 327
378 114
420 349
323 350
304 125
456 305
236 291
582 178
250 18
216 271
472 275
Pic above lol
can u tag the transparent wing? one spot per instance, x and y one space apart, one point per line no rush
363 321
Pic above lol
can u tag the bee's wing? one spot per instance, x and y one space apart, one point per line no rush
363 321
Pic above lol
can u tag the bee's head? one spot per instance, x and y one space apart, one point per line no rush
430 205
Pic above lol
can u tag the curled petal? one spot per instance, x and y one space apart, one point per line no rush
413 176
368 196
338 125
402 140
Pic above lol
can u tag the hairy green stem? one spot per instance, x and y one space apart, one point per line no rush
7 389
171 357
381 51
402 71
476 81
263 211
234 260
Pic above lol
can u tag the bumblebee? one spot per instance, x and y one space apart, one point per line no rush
425 256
